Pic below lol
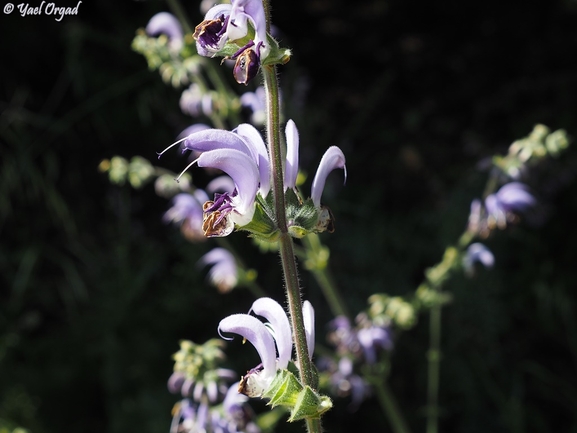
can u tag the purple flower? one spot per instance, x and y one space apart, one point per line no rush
477 253
511 199
196 103
224 23
186 210
167 24
242 155
256 102
374 337
267 340
223 274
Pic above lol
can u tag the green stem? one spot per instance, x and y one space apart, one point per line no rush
285 241
177 10
330 292
434 367
286 246
313 249
390 406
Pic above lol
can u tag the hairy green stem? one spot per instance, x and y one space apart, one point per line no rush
286 246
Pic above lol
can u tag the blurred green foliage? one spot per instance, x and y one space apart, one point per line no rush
96 293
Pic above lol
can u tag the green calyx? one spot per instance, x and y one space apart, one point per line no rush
262 226
302 217
302 402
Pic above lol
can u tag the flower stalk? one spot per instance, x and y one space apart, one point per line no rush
286 246
285 241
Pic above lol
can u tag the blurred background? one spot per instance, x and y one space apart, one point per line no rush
96 291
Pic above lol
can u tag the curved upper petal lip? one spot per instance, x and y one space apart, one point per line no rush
333 158
272 311
255 331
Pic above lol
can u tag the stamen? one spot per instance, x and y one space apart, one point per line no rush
187 167
171 146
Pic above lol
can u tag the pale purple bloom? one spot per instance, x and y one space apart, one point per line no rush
477 253
167 24
343 336
510 199
242 154
224 23
256 102
196 387
474 223
195 102
344 381
267 340
186 210
186 206
224 272
374 337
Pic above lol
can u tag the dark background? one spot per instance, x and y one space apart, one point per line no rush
95 292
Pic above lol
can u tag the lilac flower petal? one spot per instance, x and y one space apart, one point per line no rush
175 382
202 416
211 139
272 311
220 184
224 272
185 206
166 23
216 255
515 196
309 322
255 12
255 331
333 158
292 155
200 196
243 171
495 211
258 149
233 399
212 391
192 129
218 10
478 252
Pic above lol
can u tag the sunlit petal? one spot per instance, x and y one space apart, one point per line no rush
309 322
332 159
292 155
272 311
256 333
